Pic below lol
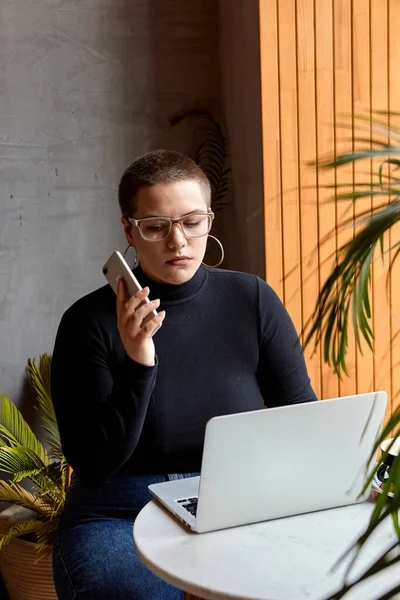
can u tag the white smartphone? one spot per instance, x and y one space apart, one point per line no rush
116 268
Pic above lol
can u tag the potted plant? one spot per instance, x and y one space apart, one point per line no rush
38 481
344 301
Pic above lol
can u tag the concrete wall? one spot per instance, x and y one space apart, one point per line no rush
85 87
240 72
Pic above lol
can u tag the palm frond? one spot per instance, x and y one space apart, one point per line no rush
20 528
26 459
16 494
39 376
344 300
45 537
19 461
386 507
384 561
44 533
349 285
352 157
57 472
54 449
22 463
16 430
63 466
211 153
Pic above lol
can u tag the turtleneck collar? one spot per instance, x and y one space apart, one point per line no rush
173 294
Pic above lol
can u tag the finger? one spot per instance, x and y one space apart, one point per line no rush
148 330
124 310
137 299
122 295
125 305
145 311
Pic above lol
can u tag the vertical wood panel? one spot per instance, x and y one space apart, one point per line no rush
380 101
320 61
307 178
271 145
325 141
343 101
289 159
394 104
362 105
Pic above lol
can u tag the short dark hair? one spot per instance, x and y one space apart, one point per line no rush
158 166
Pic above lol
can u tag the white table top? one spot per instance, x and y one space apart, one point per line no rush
284 559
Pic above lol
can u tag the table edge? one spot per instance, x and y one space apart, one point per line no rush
186 586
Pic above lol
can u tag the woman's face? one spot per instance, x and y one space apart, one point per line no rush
175 259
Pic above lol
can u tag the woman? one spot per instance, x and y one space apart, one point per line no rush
131 408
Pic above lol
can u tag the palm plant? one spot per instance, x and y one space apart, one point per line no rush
344 300
211 153
28 461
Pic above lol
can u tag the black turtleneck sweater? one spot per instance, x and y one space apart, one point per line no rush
227 345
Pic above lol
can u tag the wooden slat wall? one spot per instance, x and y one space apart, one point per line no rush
322 60
394 104
380 97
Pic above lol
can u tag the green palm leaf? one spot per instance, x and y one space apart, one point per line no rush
45 536
352 157
54 449
39 376
346 292
16 430
16 494
384 561
26 459
211 153
57 472
350 282
22 463
20 528
44 533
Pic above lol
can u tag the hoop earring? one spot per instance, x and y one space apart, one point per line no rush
222 253
136 258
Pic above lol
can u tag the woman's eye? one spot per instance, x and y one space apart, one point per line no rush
156 226
191 223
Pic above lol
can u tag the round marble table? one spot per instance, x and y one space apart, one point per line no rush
284 559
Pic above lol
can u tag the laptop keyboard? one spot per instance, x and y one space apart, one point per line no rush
190 504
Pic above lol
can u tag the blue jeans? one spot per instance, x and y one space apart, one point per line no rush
94 555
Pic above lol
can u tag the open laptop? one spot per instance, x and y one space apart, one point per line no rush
278 462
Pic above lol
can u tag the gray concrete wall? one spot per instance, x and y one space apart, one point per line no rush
241 89
85 87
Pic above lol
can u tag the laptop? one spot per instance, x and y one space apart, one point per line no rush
277 462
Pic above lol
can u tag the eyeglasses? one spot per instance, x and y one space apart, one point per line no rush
156 229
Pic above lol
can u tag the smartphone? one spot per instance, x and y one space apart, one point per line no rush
116 268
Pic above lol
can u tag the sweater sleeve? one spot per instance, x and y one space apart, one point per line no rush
100 408
282 372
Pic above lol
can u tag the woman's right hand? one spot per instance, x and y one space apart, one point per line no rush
135 324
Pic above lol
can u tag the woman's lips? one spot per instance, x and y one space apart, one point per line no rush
179 261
